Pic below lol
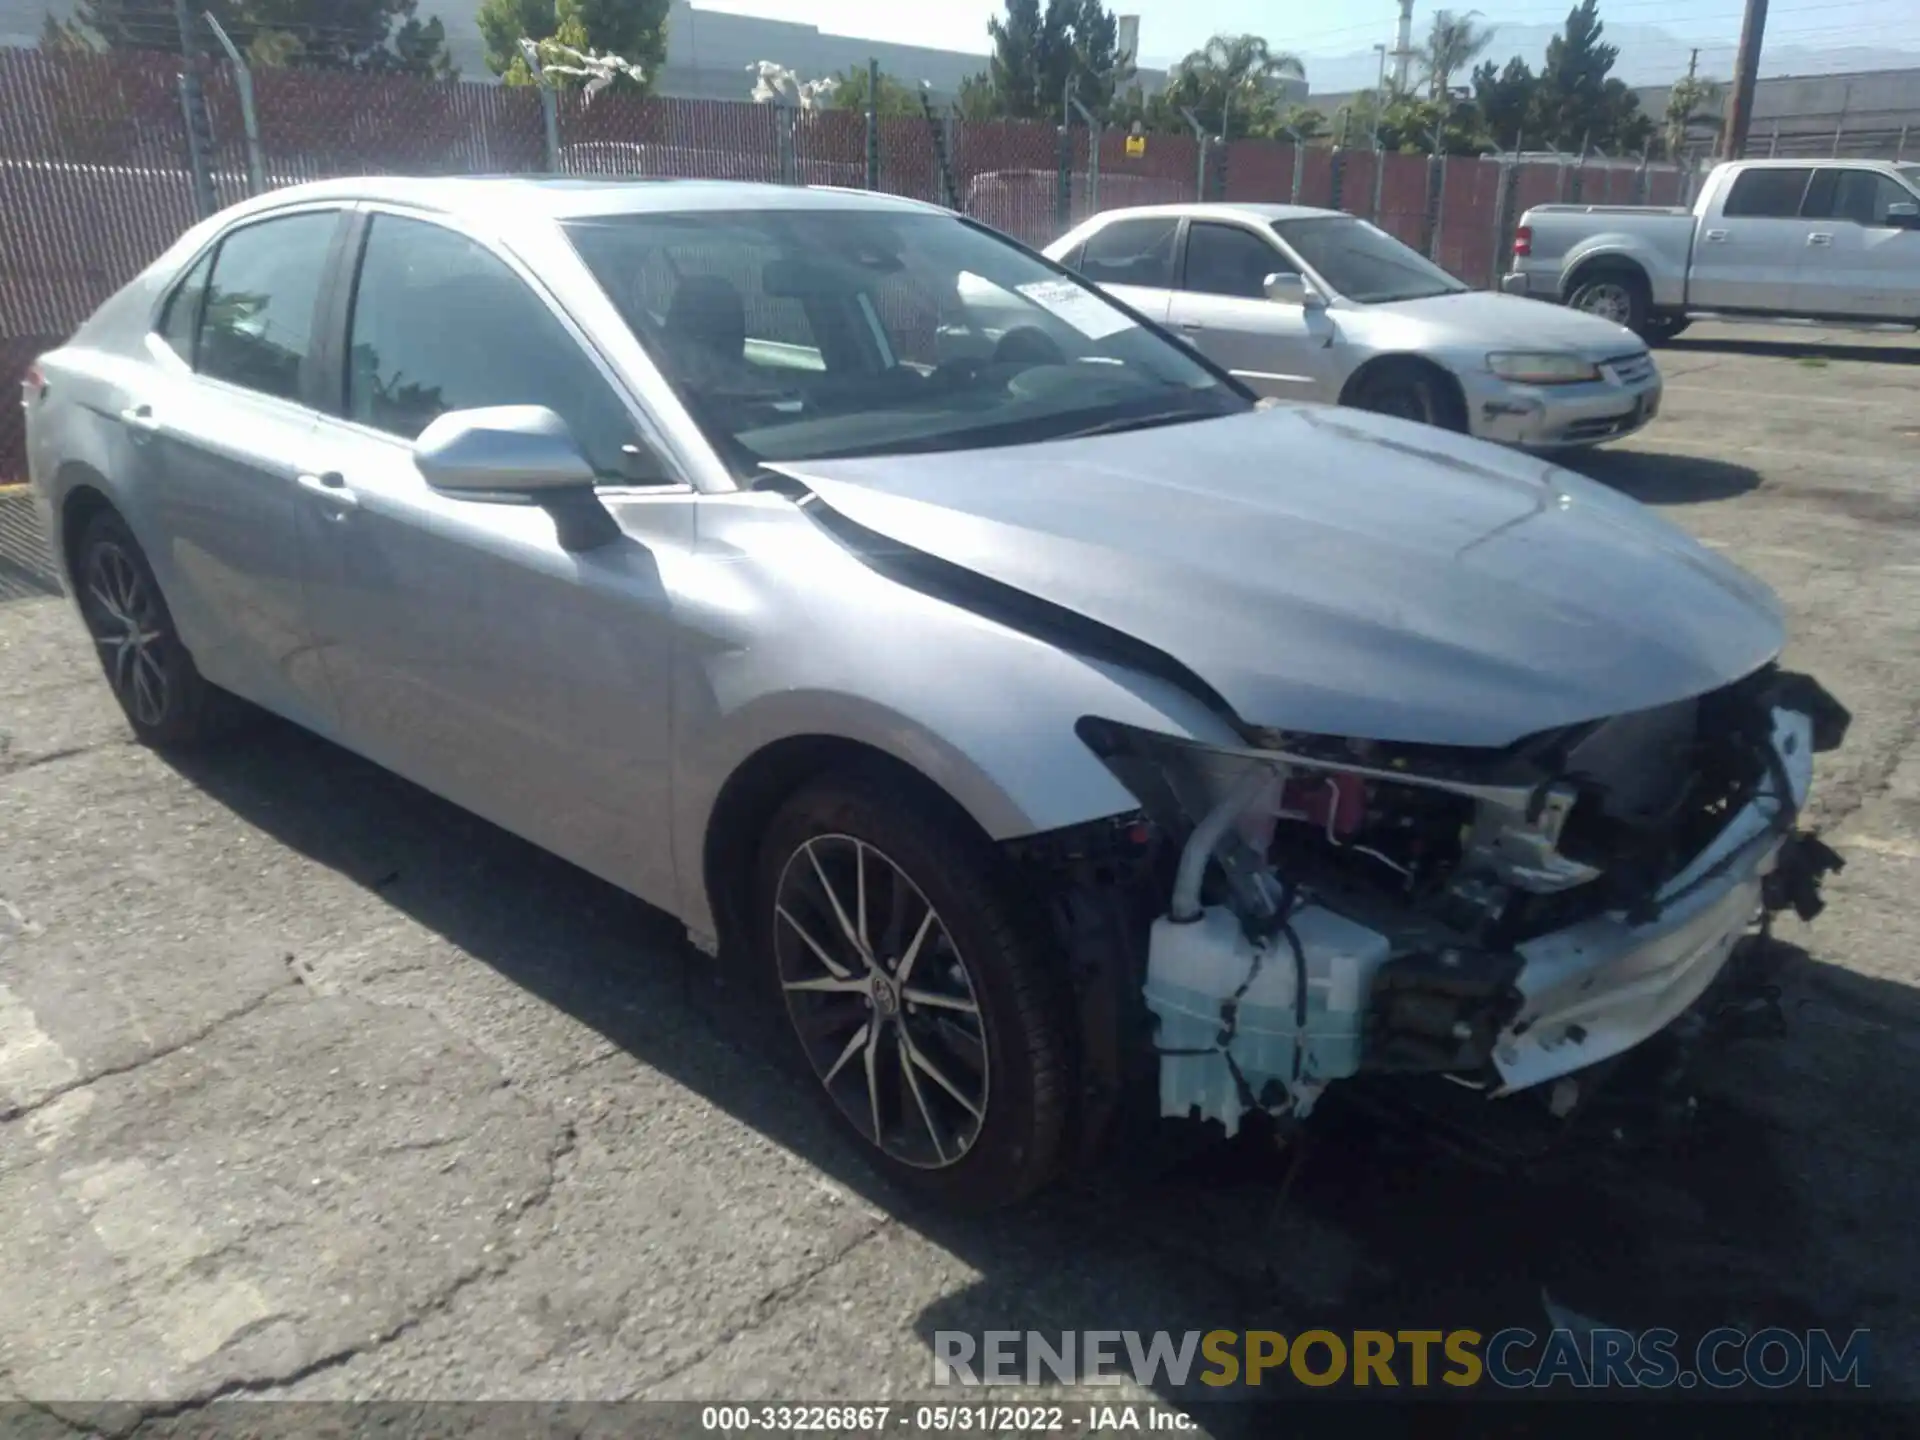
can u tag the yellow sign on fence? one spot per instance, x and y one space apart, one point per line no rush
1136 146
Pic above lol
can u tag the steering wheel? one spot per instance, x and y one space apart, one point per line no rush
1028 345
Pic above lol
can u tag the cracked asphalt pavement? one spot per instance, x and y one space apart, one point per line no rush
312 1086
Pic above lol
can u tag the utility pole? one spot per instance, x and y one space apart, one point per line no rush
1746 74
1403 46
1693 64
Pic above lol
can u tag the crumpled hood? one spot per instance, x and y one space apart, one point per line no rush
1509 322
1339 573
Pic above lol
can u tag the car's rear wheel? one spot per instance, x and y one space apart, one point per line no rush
1618 295
1410 391
161 692
915 989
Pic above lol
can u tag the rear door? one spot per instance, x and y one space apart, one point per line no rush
1751 242
1131 258
1858 261
1221 308
221 421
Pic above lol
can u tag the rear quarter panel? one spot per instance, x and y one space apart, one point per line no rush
1658 241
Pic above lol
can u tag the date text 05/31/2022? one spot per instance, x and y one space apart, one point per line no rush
983 1418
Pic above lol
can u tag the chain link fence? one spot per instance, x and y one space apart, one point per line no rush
105 159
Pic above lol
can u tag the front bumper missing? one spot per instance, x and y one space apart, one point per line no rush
1244 1025
1596 988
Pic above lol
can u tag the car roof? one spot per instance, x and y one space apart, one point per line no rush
1195 211
558 197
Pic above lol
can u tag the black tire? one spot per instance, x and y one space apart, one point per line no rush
162 693
1024 1093
1410 390
1617 294
1661 328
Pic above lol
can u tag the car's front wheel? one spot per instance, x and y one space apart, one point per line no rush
922 1002
162 693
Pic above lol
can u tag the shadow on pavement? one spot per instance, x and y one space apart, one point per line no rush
1789 1206
1816 344
1659 478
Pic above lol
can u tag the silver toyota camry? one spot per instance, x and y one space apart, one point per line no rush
1308 304
1058 732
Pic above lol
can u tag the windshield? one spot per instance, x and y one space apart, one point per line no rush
1363 263
798 334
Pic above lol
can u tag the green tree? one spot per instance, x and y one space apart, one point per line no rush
1453 44
1578 103
1232 86
635 30
1504 96
850 93
1692 100
1037 53
383 35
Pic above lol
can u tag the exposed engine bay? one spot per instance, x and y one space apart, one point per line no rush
1325 909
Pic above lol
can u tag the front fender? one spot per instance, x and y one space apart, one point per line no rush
819 645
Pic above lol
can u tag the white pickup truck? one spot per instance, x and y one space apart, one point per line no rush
1780 239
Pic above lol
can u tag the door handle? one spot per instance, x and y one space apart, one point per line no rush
330 486
1716 236
1191 325
1820 237
140 422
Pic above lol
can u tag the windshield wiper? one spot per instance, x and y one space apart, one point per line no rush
1141 422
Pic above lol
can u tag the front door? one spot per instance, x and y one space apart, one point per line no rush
1221 308
467 649
1858 261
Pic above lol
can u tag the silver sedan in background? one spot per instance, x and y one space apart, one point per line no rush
1308 304
1047 728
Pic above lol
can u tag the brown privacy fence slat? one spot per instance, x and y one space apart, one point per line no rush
95 180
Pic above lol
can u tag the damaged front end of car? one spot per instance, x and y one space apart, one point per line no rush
1302 911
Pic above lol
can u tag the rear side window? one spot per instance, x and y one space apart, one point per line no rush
1132 252
180 321
441 323
1763 194
257 328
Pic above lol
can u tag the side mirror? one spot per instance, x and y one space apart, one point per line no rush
1904 214
516 455
1293 290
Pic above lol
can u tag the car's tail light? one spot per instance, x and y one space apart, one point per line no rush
1523 240
33 384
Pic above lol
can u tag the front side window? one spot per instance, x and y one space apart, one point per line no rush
440 323
180 321
1131 252
1363 262
1860 196
1226 260
257 325
793 334
1767 194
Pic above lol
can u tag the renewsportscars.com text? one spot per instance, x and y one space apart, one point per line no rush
1512 1359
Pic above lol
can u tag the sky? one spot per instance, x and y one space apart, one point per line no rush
1171 28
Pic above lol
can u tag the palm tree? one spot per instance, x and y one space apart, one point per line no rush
1453 44
1232 75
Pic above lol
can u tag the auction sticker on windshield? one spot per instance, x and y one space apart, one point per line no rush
1082 309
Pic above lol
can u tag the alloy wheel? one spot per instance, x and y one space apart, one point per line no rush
124 617
1609 300
882 1000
